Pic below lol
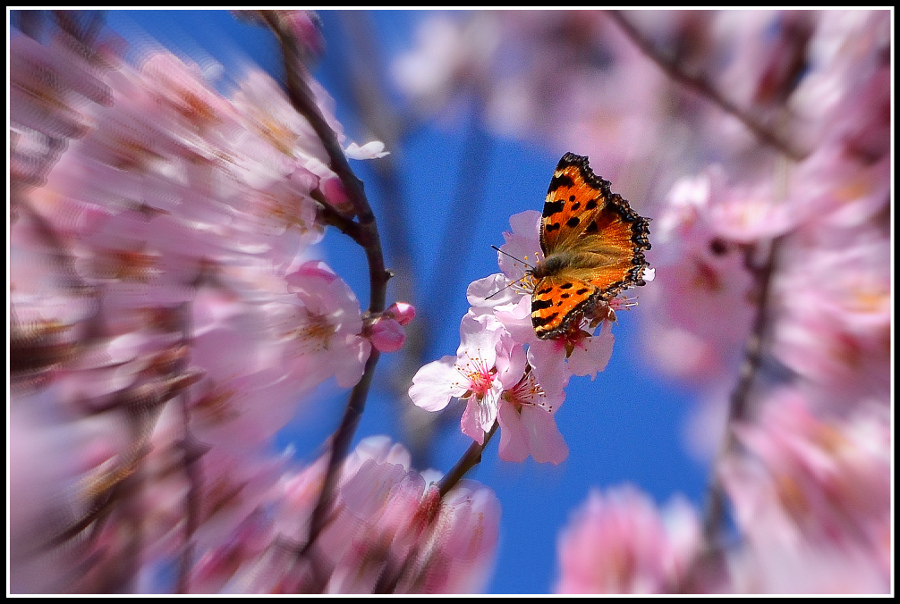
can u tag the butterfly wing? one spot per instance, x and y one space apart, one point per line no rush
601 238
593 245
557 300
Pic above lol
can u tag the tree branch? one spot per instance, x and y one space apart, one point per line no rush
469 460
738 409
704 88
365 233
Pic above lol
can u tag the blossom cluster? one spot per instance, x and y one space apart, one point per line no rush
169 316
759 142
170 311
389 531
503 371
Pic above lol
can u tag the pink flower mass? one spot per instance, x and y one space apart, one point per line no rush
232 319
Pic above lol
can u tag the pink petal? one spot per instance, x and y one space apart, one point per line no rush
594 354
513 436
435 384
402 312
470 423
544 440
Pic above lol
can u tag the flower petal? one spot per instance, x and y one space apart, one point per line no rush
435 384
513 436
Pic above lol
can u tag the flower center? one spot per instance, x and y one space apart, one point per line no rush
314 334
526 392
478 375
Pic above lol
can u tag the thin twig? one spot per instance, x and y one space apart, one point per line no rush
190 456
704 88
469 460
303 100
363 62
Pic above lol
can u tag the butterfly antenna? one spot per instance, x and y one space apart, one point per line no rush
510 284
513 257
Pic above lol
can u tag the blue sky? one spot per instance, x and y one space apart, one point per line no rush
625 426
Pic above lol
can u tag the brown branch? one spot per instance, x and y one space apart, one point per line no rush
704 88
469 460
191 452
303 100
738 409
365 232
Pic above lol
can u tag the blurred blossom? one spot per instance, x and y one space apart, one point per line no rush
159 237
813 491
619 543
836 331
702 301
389 531
822 570
450 58
166 318
320 327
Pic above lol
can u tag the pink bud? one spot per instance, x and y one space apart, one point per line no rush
387 335
336 194
304 26
402 312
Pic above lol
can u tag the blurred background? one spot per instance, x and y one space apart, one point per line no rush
476 109
442 197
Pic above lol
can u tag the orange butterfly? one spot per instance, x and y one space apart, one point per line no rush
593 245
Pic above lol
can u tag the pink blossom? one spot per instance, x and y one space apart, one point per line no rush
492 291
483 367
526 415
46 460
703 285
246 544
836 327
389 531
810 482
620 543
336 194
386 330
449 58
320 327
269 114
825 570
402 312
55 106
243 398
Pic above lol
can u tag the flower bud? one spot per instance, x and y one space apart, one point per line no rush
402 312
387 335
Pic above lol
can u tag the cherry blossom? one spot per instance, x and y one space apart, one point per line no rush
618 542
320 326
486 363
389 530
809 482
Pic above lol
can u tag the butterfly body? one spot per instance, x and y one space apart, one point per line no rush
593 248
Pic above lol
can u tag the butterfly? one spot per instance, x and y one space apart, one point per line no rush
593 248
